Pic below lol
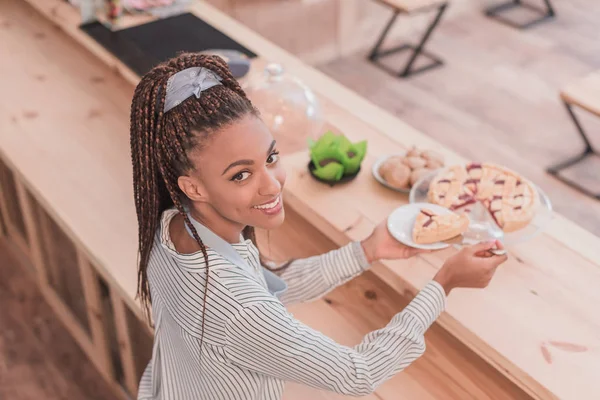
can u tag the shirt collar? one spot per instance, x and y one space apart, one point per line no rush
275 285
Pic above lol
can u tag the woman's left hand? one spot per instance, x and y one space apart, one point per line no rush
381 245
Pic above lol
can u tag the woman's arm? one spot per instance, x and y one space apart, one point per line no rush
265 338
310 278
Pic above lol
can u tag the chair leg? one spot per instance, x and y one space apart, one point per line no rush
376 53
495 12
587 152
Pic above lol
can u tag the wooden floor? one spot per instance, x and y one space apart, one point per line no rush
442 101
497 97
38 359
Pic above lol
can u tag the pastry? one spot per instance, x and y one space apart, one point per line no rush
511 199
398 176
431 227
417 163
388 164
434 164
413 152
418 174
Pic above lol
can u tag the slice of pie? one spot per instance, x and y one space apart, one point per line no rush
431 227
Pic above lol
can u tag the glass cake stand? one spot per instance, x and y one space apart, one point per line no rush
543 215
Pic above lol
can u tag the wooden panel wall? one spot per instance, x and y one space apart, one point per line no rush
111 334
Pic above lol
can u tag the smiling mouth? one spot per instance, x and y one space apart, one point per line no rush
270 205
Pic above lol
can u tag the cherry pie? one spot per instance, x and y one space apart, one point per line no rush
510 199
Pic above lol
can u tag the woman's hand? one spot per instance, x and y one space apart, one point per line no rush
472 267
380 245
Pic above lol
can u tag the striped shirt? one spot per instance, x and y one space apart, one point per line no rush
251 343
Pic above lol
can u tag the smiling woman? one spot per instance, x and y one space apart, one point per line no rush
232 188
206 172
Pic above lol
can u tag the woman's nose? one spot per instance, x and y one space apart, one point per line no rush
270 184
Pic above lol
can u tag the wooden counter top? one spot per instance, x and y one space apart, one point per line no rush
546 292
44 142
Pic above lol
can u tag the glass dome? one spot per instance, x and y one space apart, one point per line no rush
288 107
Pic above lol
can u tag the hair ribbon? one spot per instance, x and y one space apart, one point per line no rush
187 83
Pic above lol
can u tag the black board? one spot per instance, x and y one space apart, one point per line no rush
144 46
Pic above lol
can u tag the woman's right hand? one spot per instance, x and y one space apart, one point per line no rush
471 267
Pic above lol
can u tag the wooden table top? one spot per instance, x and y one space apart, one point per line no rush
530 323
585 93
538 319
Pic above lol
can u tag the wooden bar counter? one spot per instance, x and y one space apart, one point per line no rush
537 323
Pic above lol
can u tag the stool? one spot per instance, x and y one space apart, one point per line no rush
495 12
409 7
584 94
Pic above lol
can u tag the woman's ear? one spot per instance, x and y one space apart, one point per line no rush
193 188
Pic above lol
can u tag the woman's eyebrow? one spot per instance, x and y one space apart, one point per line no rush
236 163
248 162
271 148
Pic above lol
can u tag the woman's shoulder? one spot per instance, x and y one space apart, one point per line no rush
172 233
173 244
171 263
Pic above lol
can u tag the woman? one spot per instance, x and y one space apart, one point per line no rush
206 172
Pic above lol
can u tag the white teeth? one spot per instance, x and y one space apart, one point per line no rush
272 204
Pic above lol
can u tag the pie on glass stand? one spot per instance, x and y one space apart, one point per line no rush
511 199
431 227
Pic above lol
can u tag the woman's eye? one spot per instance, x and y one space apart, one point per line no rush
242 176
273 158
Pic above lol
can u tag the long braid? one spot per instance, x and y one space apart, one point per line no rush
160 145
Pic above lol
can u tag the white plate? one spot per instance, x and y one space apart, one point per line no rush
379 178
401 221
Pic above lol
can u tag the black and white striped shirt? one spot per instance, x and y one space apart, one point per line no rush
252 344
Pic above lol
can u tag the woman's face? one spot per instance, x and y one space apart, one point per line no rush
239 174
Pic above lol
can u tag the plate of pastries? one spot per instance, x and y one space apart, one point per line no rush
515 204
401 171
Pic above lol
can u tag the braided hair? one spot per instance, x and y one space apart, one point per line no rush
160 144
